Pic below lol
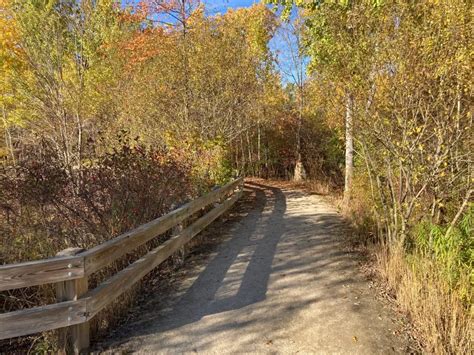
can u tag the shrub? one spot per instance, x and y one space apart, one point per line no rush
46 207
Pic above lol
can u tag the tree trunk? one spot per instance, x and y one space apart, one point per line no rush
244 170
349 173
249 152
300 172
8 137
259 147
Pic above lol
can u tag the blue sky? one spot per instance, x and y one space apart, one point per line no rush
221 6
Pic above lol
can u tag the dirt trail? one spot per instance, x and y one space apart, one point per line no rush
278 282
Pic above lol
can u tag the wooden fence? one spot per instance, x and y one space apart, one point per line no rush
76 304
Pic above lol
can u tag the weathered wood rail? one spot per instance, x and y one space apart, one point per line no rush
76 304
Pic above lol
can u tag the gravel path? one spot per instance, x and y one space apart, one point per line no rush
279 281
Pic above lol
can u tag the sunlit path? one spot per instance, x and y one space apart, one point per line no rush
279 282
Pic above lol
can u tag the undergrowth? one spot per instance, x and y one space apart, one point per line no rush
45 208
431 277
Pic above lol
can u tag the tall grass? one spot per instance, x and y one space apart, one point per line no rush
431 278
441 313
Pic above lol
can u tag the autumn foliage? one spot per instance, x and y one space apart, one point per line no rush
112 113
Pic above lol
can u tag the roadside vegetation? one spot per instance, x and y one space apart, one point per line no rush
398 75
112 115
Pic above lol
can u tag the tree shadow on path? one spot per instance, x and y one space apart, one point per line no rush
279 271
256 250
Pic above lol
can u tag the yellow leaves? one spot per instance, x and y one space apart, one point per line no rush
11 55
256 24
11 60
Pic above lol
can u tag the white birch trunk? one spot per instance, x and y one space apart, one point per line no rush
349 169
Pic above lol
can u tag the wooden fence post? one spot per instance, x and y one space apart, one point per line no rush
181 253
73 339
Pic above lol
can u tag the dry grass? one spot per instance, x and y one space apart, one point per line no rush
442 318
442 314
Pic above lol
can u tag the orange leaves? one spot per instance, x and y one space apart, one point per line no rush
144 45
157 22
135 13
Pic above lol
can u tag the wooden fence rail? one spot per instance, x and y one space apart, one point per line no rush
71 268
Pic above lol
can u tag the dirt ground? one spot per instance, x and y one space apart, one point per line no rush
272 278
